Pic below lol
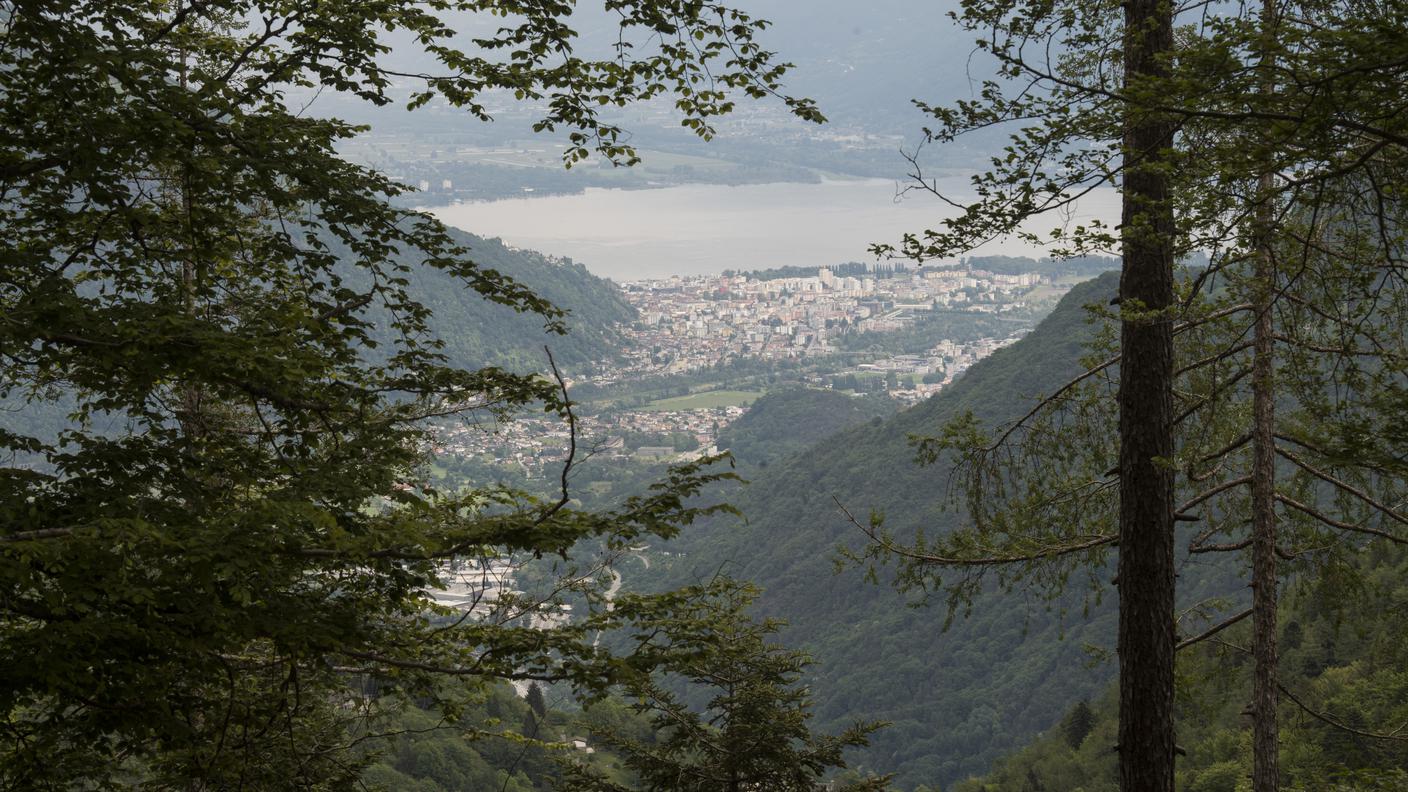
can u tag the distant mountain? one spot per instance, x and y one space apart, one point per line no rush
959 699
864 62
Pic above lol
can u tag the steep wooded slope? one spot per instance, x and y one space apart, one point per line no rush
1343 654
784 422
957 699
477 332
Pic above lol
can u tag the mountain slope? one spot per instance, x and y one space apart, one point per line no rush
1341 651
477 332
783 422
959 699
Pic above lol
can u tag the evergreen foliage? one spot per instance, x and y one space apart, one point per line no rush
425 752
1342 657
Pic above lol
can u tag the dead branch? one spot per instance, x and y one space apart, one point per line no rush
1214 630
1343 486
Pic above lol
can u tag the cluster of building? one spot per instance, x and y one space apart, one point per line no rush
926 374
689 323
534 443
693 322
484 588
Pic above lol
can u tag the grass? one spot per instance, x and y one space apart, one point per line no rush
706 400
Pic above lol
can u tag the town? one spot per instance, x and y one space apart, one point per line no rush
692 324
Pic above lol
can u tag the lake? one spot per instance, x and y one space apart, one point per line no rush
694 229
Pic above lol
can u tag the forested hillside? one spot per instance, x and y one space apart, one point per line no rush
477 332
1343 657
957 699
785 422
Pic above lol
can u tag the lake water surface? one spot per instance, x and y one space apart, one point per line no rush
630 234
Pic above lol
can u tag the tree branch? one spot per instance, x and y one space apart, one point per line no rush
1044 553
1214 630
1342 486
1333 523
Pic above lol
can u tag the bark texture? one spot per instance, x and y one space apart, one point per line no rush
1265 747
1146 558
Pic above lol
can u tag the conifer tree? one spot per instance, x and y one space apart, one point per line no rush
1276 150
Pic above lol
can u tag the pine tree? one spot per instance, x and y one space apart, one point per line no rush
1077 724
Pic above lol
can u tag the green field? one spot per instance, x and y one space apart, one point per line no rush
706 400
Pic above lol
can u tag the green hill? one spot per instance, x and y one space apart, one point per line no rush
784 422
477 332
957 699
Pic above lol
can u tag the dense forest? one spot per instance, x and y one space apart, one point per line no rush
1155 545
789 420
477 333
1350 660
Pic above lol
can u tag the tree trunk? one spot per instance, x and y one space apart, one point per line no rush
1265 770
1146 567
1265 742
